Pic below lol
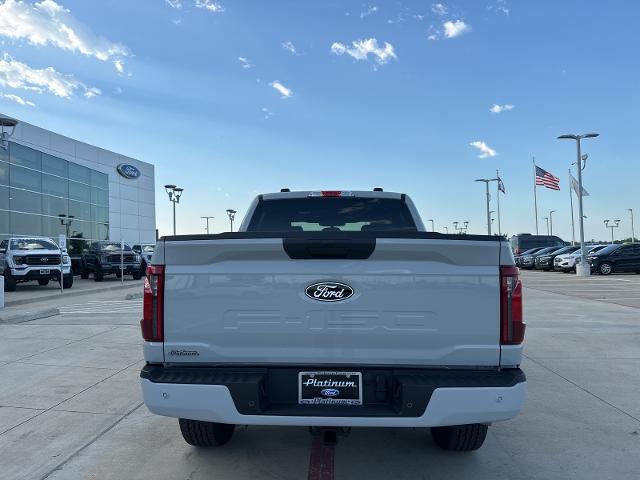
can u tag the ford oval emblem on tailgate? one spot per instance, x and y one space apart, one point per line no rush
329 291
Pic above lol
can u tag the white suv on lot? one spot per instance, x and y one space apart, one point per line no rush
567 262
25 259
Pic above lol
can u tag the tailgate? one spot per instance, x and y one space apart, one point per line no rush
422 302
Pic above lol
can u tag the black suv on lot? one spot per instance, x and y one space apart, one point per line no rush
104 258
616 259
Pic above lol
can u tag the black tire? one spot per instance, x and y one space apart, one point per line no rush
84 273
460 438
98 276
9 282
43 281
137 275
118 275
605 268
205 434
67 281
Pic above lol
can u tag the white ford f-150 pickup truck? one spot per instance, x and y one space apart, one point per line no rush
333 309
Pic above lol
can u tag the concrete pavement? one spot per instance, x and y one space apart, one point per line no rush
70 407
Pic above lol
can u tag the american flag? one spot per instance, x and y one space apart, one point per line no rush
545 179
501 186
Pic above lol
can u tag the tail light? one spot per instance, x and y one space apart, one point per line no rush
152 322
512 324
517 251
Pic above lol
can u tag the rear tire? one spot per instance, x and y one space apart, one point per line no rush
98 276
605 268
43 281
460 438
205 434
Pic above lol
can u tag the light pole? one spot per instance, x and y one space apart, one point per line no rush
433 225
551 221
546 219
486 182
232 215
633 233
615 224
582 269
207 219
174 197
66 221
462 230
446 229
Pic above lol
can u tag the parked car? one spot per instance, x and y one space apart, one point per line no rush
355 317
145 250
546 261
525 241
567 261
528 261
616 259
25 259
106 258
531 251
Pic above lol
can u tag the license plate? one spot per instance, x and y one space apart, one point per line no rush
330 388
45 271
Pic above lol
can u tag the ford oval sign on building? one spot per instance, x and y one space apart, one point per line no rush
128 171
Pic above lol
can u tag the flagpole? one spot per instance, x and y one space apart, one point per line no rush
498 201
573 224
535 194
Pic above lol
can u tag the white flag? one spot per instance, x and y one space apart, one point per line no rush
576 187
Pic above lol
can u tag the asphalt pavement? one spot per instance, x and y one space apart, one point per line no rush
70 405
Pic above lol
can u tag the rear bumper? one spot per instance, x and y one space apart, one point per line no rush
416 398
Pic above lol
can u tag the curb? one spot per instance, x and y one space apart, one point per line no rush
28 316
77 293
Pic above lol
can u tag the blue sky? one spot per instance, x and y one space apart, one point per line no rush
342 94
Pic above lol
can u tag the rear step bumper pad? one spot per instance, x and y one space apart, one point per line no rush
446 405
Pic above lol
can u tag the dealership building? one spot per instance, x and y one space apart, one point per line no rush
51 184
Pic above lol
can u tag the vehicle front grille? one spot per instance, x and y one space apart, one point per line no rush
125 258
42 259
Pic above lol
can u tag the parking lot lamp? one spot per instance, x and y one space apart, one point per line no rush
551 221
207 219
633 233
582 270
446 229
66 221
433 225
174 197
232 215
615 224
546 219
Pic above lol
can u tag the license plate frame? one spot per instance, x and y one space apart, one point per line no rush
330 388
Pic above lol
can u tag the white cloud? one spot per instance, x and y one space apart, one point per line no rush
267 114
18 75
210 5
17 99
284 91
48 23
455 28
360 50
290 47
485 150
501 108
369 11
245 62
174 3
439 9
